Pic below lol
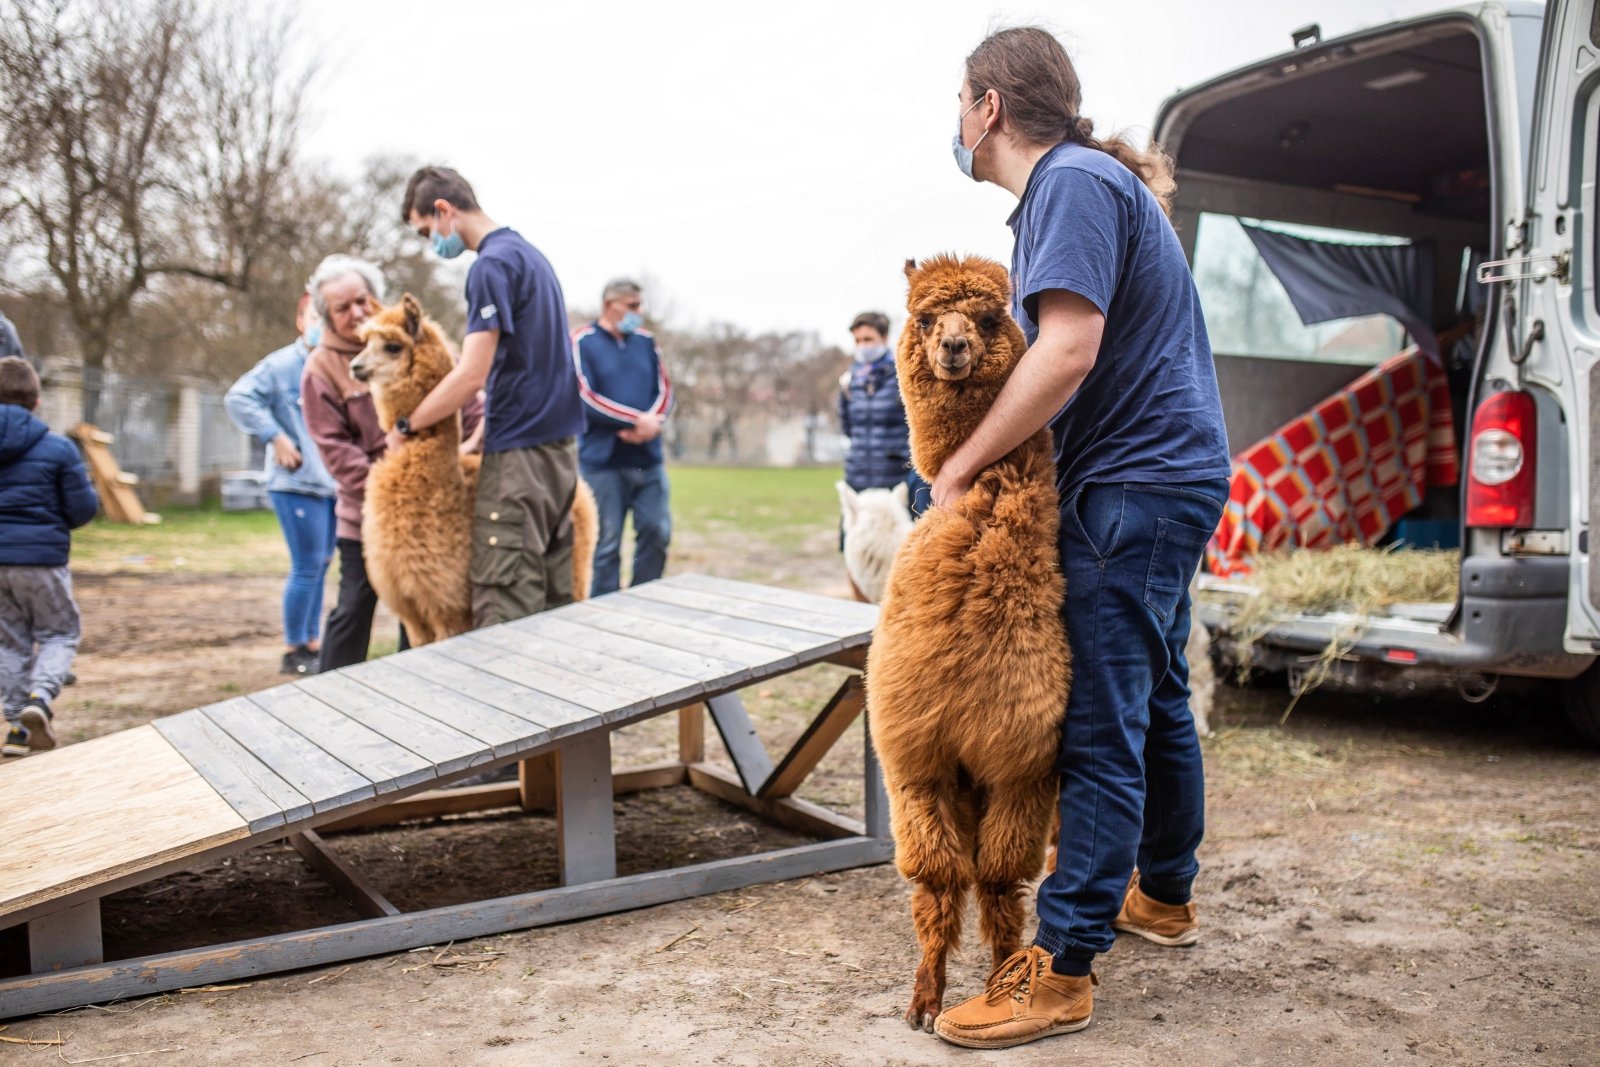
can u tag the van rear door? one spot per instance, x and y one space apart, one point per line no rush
1556 295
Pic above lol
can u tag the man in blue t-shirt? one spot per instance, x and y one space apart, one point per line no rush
626 397
517 349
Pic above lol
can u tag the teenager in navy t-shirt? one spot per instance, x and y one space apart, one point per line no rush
517 348
1120 369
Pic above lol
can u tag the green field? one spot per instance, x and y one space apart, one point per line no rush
781 507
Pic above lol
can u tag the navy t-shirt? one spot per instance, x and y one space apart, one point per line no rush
533 388
1149 411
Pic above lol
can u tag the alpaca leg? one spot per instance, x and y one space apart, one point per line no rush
930 851
1011 844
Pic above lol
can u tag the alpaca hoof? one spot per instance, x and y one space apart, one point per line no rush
921 1017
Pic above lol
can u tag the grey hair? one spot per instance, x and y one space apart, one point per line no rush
335 267
619 287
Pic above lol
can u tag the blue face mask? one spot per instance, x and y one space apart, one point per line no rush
313 335
870 353
631 321
963 153
448 247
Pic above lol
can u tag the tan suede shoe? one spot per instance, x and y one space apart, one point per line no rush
1173 925
1024 1001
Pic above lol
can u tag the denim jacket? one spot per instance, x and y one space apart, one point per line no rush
266 402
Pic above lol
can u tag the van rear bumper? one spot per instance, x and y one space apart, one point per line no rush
1510 621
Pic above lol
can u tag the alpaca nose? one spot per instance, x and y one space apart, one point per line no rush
954 346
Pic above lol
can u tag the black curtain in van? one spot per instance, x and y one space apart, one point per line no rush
1327 281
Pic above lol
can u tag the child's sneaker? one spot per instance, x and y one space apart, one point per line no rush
16 742
35 719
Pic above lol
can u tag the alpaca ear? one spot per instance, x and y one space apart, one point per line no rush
413 312
911 268
902 495
848 501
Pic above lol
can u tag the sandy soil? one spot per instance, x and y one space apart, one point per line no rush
1394 882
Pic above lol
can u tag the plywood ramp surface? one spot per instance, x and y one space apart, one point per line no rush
87 813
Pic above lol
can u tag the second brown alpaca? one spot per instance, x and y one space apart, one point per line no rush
968 675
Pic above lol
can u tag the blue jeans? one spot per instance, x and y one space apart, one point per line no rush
1132 784
618 490
308 526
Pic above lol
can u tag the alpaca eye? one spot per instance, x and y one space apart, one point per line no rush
924 322
393 348
989 323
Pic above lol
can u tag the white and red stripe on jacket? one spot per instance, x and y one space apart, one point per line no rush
604 404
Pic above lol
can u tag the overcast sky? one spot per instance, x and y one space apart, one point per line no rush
767 165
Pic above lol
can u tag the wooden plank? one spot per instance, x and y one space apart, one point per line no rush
616 616
367 900
388 766
798 815
502 732
776 638
65 939
692 733
322 779
620 679
854 658
447 748
557 626
584 822
875 805
739 737
533 675
260 796
87 814
459 922
559 717
430 805
536 782
863 616
791 618
817 740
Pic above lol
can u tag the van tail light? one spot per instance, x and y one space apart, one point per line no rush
1501 461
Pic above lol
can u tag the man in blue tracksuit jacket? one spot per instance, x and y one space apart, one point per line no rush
44 495
626 398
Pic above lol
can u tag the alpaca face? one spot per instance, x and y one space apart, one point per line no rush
405 358
960 323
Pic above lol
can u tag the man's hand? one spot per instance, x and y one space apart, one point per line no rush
284 454
393 440
648 427
951 485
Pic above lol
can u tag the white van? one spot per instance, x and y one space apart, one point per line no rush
1473 132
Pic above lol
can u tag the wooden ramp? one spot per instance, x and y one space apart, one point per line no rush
371 745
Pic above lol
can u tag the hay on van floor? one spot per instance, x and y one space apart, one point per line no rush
1351 579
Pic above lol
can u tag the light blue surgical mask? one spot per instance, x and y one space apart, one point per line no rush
870 353
631 321
448 247
313 335
963 153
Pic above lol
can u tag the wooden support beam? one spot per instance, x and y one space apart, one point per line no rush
65 939
584 823
36 993
739 737
797 815
692 734
536 782
369 903
824 731
854 658
876 803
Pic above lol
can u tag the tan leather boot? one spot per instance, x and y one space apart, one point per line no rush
1023 1001
1173 925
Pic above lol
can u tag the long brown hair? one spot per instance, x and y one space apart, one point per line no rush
1040 97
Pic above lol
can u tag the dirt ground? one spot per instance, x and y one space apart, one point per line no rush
1383 882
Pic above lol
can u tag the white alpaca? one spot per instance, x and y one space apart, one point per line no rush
1202 675
875 521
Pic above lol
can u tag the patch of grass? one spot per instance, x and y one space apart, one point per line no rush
781 506
198 540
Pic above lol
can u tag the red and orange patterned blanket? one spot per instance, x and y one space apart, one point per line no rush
1345 470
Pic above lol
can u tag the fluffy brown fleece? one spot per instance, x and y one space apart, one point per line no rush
968 674
416 527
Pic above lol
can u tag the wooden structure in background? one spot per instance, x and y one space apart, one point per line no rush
373 744
118 500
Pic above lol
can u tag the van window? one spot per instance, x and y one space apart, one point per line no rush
1249 314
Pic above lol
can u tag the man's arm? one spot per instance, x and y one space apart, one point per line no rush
461 384
1048 375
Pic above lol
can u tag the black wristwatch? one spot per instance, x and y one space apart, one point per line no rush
403 425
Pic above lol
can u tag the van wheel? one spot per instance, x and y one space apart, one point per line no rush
1581 698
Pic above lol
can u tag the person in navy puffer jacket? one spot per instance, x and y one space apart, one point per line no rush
873 417
44 495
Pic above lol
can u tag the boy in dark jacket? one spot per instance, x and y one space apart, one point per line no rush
44 495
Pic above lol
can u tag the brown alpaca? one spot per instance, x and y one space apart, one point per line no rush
968 674
416 530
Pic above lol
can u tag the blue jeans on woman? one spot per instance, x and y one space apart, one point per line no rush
308 527
1132 784
618 490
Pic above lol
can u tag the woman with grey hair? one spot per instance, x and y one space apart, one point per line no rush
339 412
